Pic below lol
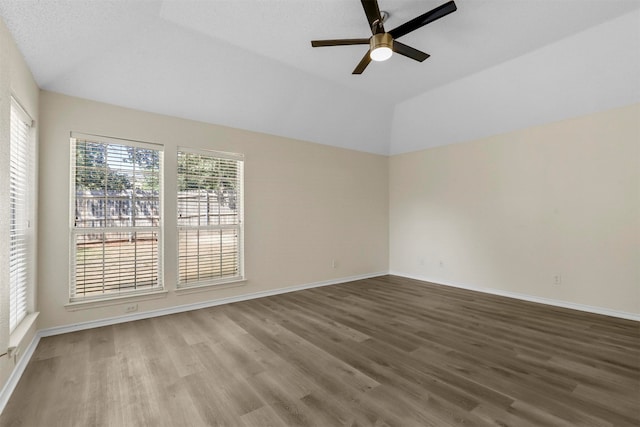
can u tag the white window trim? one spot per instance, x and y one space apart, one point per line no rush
239 279
17 329
87 304
108 299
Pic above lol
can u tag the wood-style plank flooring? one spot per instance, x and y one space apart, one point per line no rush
387 351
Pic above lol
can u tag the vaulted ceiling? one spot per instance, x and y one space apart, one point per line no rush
495 64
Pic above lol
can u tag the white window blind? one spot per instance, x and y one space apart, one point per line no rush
116 217
21 186
209 217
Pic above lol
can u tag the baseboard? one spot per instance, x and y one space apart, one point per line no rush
17 372
530 298
195 306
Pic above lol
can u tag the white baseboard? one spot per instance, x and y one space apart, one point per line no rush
525 297
195 306
17 372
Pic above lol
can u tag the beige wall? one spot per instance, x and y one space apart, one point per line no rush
511 211
16 80
305 204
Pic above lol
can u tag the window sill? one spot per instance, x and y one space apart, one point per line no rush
116 300
21 331
232 283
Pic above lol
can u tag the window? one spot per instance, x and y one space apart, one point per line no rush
21 207
116 228
209 217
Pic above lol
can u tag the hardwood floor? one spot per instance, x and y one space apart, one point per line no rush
383 351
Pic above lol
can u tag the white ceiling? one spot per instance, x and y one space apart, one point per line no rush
249 63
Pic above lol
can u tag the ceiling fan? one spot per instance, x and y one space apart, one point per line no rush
382 43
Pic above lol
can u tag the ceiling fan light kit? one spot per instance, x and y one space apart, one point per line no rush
381 46
382 43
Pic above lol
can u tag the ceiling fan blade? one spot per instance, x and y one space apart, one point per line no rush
372 11
423 19
409 52
363 64
338 42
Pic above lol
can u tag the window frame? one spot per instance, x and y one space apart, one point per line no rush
212 281
21 299
74 230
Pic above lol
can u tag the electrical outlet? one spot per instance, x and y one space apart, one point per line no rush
557 279
334 263
131 308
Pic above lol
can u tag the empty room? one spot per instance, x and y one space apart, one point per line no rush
319 213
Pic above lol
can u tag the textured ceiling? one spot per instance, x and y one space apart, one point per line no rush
249 63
